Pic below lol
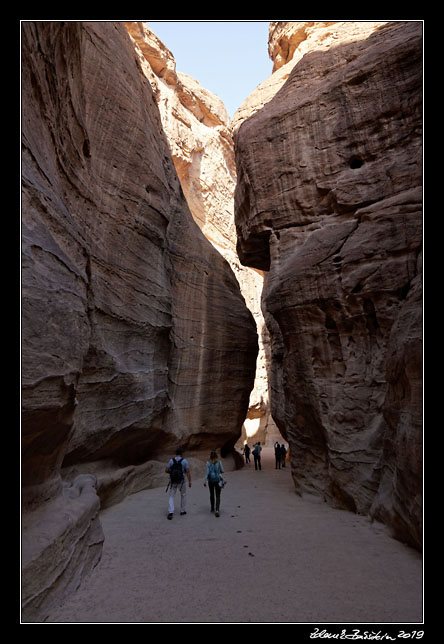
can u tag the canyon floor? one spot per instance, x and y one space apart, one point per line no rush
271 557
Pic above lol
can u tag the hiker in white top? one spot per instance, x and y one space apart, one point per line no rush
177 468
215 480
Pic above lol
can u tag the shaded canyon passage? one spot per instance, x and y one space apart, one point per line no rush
272 556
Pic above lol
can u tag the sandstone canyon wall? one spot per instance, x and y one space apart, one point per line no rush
199 134
135 335
328 203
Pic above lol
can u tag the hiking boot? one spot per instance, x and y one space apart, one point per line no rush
182 512
170 516
216 514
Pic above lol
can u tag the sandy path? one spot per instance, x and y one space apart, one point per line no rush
270 557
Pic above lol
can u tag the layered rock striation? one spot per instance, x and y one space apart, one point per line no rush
199 134
198 131
135 335
288 42
328 202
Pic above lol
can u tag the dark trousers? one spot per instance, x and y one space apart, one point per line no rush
214 488
257 462
278 461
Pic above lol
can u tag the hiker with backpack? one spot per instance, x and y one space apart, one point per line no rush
215 480
257 449
177 468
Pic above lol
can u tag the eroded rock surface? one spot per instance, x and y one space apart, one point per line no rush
288 42
136 337
328 200
199 134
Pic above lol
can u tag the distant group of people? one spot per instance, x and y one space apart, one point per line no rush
280 452
257 449
178 468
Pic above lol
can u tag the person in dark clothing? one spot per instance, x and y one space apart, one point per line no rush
257 449
283 454
277 455
214 479
247 453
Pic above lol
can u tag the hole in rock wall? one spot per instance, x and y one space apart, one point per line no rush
355 162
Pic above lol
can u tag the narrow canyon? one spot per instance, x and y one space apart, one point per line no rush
190 280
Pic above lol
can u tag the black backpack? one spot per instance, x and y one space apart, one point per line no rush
176 472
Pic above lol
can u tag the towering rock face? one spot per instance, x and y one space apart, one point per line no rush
198 130
136 337
288 42
328 201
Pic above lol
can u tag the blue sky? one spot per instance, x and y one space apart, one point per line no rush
229 58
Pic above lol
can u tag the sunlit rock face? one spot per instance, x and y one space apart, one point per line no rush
288 42
328 202
136 337
199 134
198 131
